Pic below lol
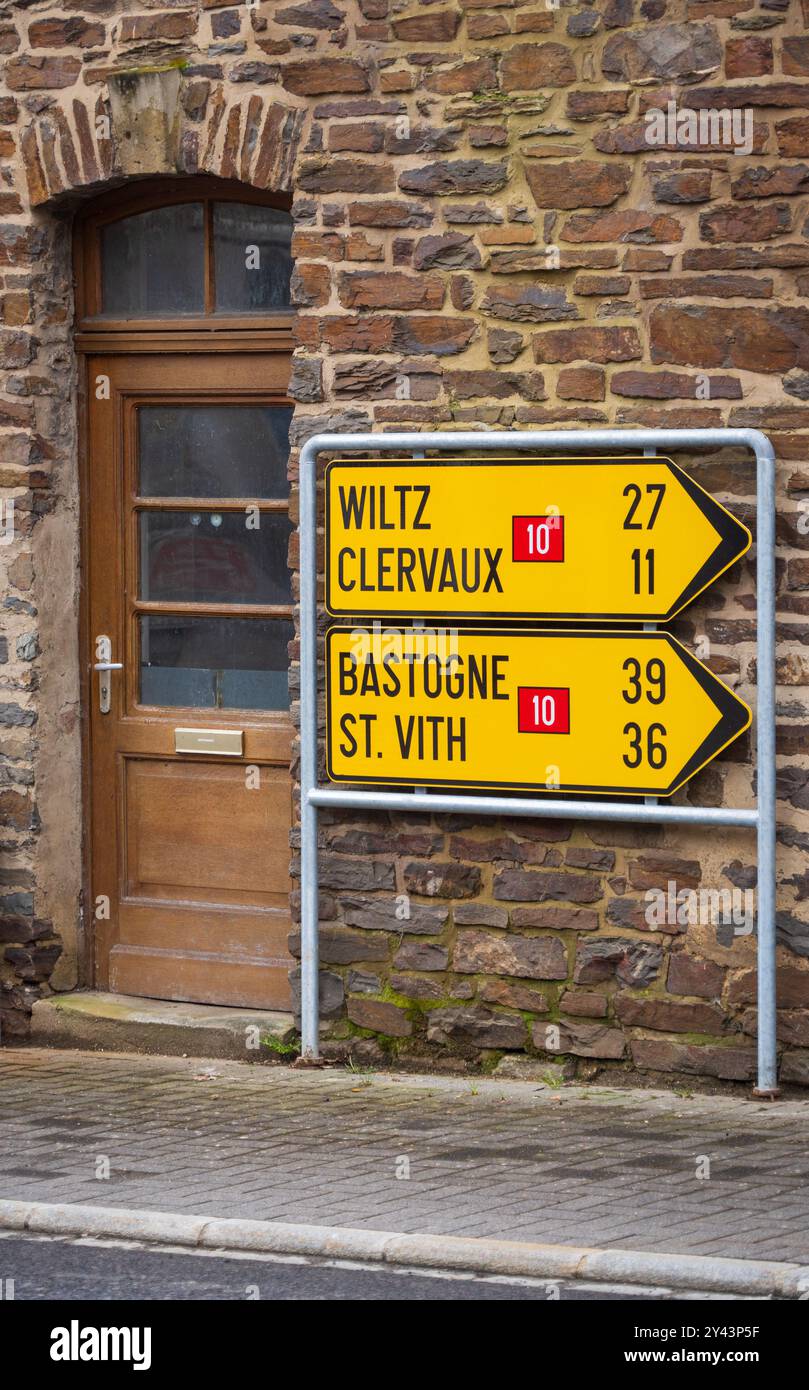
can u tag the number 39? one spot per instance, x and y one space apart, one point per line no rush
655 675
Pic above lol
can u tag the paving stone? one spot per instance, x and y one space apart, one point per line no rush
565 1164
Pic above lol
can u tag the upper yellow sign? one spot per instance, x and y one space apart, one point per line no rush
618 538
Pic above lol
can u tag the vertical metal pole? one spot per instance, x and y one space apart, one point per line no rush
310 1020
765 763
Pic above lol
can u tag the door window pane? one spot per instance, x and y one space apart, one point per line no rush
215 663
214 451
154 263
252 257
215 557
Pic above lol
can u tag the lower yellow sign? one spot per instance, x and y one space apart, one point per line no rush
549 711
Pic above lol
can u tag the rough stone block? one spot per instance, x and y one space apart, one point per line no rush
526 957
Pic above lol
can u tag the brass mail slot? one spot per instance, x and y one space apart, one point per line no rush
226 743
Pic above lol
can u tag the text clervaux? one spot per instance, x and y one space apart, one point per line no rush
422 568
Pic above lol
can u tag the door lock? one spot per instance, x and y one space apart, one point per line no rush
104 684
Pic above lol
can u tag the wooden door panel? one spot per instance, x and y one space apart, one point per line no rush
193 831
190 852
203 978
246 932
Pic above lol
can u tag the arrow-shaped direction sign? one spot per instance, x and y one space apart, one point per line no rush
623 538
605 712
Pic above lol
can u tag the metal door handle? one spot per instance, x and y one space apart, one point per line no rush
104 684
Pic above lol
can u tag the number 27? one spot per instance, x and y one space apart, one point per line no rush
657 491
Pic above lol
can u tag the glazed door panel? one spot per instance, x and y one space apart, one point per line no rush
190 606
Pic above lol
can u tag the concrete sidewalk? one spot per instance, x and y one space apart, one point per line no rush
631 1170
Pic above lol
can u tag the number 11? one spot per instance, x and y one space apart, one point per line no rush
650 569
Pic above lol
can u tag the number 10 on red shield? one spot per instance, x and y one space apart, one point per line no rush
543 711
538 539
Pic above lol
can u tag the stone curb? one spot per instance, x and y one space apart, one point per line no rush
700 1273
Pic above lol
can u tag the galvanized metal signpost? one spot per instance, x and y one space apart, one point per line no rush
606 712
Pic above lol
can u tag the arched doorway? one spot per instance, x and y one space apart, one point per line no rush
185 336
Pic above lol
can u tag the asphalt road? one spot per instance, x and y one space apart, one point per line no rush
72 1270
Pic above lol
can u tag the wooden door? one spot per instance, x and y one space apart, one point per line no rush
189 589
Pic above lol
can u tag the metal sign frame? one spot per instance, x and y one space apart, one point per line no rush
762 818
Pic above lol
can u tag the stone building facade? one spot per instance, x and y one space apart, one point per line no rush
499 223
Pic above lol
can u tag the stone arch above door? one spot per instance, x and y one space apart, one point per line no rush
159 123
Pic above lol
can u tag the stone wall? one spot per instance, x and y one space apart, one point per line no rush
492 230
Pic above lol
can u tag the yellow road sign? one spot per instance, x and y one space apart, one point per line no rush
557 711
622 538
